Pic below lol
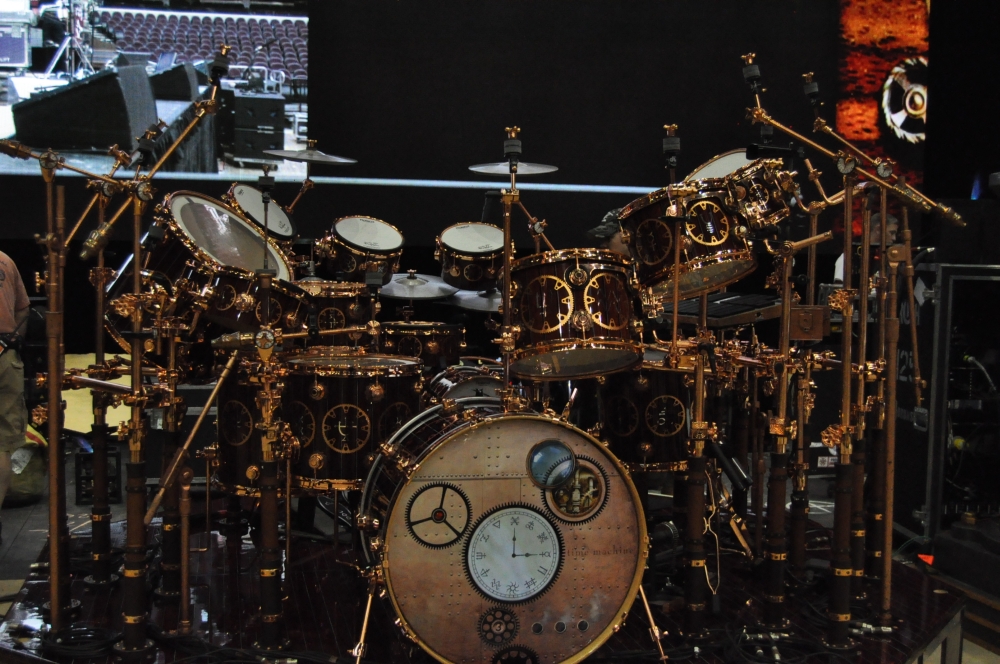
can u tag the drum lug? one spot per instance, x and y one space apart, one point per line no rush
637 326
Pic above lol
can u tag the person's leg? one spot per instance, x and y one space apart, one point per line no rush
13 414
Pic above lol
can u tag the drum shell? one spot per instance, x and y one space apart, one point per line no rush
703 268
469 270
445 384
646 416
757 194
237 303
310 393
339 304
438 345
339 260
596 336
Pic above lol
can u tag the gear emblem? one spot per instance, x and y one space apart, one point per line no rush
498 626
516 655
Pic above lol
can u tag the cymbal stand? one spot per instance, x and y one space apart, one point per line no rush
508 332
876 507
170 558
918 383
307 184
841 436
134 643
696 577
103 189
757 463
100 515
671 148
892 368
537 229
184 506
784 430
59 583
800 477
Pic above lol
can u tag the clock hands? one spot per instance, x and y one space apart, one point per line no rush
513 553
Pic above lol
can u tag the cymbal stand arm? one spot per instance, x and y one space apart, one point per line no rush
175 463
104 189
20 151
676 296
307 184
359 650
508 333
536 228
811 261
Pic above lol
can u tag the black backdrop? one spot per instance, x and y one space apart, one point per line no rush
424 88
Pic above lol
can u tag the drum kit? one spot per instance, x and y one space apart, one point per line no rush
452 462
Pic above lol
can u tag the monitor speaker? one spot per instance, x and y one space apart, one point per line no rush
108 108
179 83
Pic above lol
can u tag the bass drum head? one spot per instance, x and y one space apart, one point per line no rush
476 386
368 233
720 166
473 238
479 560
224 236
279 224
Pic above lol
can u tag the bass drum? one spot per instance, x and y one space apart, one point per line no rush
463 380
529 528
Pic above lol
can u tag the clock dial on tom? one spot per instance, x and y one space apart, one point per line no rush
546 304
331 318
614 306
653 241
622 416
438 515
302 422
394 417
707 223
513 554
346 428
665 415
235 423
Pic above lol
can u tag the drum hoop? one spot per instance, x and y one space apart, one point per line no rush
282 286
230 198
754 166
168 219
594 343
643 202
326 242
697 264
467 254
365 250
642 535
399 327
590 255
413 368
349 289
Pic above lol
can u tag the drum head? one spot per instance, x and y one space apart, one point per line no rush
473 238
476 386
368 233
581 362
707 277
278 223
720 166
356 365
223 235
511 557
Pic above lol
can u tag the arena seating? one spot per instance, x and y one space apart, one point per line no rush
198 36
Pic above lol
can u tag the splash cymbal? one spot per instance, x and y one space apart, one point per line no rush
477 300
413 286
503 168
311 156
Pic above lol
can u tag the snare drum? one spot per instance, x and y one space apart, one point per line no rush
471 255
341 408
714 251
574 308
438 345
757 193
646 415
249 202
338 304
463 380
356 245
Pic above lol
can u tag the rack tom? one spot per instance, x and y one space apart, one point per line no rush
574 308
438 345
341 407
356 245
471 255
338 304
714 250
249 202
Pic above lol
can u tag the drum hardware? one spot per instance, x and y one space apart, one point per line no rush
184 618
671 148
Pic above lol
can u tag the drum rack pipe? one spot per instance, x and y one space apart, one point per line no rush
170 539
858 455
696 583
892 367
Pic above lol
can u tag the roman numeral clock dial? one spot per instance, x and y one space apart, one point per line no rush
513 554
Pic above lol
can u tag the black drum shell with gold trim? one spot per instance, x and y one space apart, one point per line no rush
647 414
376 393
704 267
575 311
438 345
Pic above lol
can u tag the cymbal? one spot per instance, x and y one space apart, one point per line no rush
311 156
477 300
413 286
503 168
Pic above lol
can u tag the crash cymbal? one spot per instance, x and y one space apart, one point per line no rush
503 168
311 156
477 300
413 286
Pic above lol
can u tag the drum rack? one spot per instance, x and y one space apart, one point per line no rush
776 603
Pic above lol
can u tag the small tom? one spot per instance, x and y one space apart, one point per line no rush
471 255
356 245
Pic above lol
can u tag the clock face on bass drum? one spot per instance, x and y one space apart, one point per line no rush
513 520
